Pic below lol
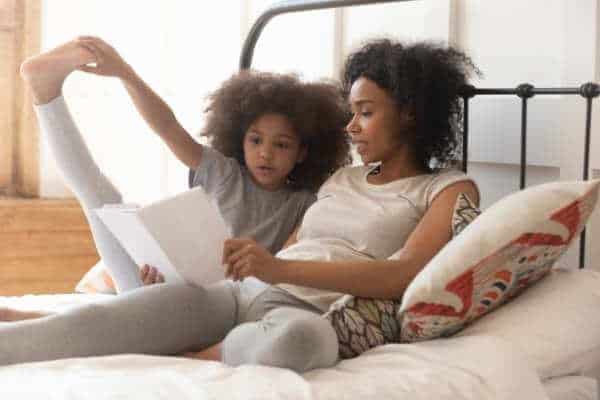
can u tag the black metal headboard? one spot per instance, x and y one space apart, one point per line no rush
524 91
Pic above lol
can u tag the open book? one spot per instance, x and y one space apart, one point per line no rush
182 235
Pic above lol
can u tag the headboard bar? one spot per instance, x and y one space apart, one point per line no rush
526 91
285 7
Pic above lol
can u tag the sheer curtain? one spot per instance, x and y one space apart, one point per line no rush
182 49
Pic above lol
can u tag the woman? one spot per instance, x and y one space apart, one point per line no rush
370 232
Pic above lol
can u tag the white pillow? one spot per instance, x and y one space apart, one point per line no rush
555 324
96 280
510 246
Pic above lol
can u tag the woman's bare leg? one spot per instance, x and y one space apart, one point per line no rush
44 75
11 315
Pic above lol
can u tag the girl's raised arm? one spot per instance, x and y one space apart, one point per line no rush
157 114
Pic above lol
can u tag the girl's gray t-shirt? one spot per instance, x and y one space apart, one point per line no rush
250 211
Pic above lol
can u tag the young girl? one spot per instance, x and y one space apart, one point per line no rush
259 169
370 232
263 167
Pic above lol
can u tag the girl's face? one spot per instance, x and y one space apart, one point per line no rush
271 150
377 128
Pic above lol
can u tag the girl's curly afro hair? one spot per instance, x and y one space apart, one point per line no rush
317 111
423 78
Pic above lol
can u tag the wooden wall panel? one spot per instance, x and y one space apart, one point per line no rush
42 275
22 215
45 246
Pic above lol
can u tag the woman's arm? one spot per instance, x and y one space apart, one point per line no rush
385 279
157 114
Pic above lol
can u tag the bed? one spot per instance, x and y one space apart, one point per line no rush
485 361
383 373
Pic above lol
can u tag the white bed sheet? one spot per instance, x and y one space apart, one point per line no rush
474 367
571 388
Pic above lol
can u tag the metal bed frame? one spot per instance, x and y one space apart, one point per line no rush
525 91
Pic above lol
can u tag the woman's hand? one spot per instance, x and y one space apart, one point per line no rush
151 275
108 61
245 257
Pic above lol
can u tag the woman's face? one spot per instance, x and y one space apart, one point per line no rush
377 128
271 150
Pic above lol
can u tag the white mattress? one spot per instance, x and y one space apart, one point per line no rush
471 367
571 388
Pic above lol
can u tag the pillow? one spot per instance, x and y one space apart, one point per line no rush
555 324
465 211
506 249
363 323
96 280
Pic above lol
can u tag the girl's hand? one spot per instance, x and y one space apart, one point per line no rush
151 275
108 61
245 257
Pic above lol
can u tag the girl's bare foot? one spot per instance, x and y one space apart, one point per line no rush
9 314
46 72
213 353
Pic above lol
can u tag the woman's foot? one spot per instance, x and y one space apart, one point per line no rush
10 315
46 72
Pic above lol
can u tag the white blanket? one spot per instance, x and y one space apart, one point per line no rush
471 367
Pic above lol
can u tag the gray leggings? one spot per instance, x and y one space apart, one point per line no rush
273 329
258 325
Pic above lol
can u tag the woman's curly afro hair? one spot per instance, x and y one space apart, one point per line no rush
317 111
425 79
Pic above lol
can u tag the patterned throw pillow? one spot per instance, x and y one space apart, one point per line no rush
364 323
465 211
508 248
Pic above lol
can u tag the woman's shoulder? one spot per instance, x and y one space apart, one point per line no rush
444 178
448 176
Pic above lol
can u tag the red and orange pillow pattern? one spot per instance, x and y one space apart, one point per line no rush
508 248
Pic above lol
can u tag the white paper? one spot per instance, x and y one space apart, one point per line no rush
182 236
